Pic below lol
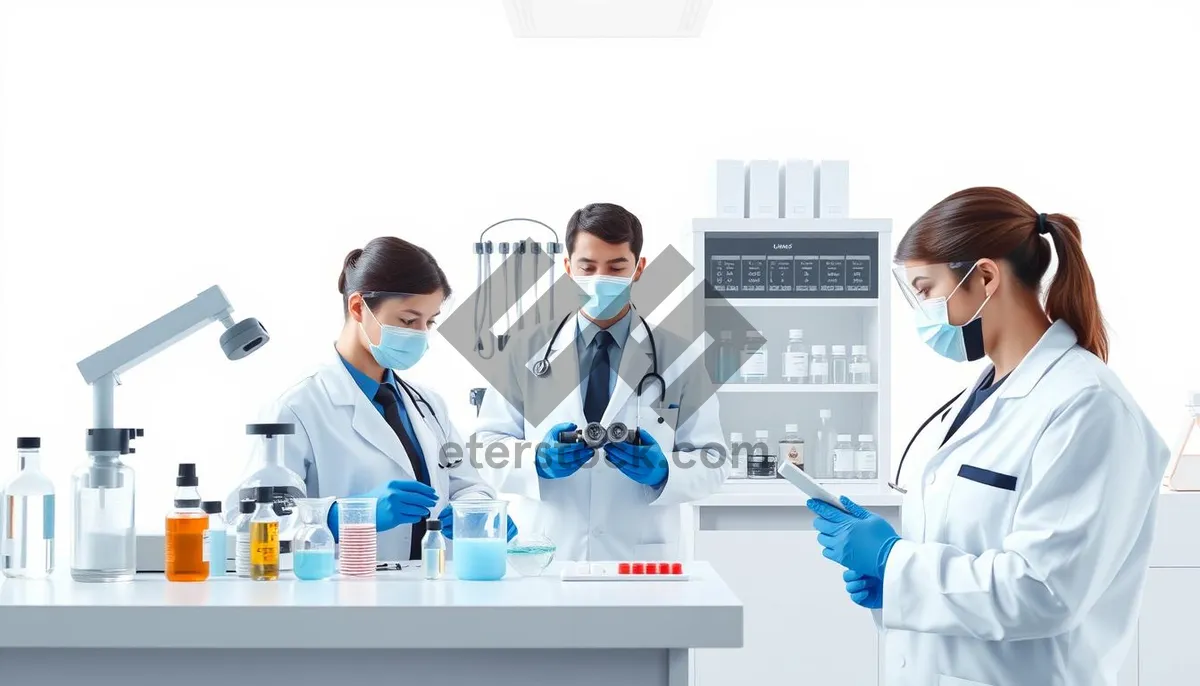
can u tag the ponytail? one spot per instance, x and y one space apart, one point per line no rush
1072 295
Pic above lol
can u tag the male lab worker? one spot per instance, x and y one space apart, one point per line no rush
623 500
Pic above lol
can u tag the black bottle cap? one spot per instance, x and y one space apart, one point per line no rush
187 475
29 443
264 494
270 430
212 506
433 525
246 507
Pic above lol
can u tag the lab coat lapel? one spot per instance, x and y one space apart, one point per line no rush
635 362
427 438
563 377
367 422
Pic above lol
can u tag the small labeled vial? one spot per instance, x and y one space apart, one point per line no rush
866 463
433 550
843 458
791 446
754 358
818 366
214 538
860 365
839 365
241 558
795 358
737 455
264 537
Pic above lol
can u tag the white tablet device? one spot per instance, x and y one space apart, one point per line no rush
805 483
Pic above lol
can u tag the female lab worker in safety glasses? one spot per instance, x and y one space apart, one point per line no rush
1030 498
361 429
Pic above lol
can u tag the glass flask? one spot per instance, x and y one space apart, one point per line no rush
531 554
795 358
1183 473
480 539
264 537
313 544
103 548
286 486
27 540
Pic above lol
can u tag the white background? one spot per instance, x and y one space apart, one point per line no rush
151 149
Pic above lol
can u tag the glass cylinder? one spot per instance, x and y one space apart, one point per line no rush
357 537
480 539
103 545
313 547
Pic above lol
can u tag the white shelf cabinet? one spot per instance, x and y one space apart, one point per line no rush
829 318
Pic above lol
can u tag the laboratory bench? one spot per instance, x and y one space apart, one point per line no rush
396 626
758 536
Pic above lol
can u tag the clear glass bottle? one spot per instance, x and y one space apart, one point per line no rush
866 462
860 365
843 458
184 544
216 554
27 540
818 366
313 546
795 358
839 364
791 446
286 486
737 455
104 545
241 556
727 359
754 358
264 537
821 466
433 550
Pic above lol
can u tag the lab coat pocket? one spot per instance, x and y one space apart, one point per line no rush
944 680
1006 482
661 426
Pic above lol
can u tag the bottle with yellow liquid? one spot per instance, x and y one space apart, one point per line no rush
186 526
264 537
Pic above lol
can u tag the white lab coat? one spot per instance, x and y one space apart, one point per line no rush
598 513
344 447
1040 584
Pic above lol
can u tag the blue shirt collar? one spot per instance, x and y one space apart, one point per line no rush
619 329
368 385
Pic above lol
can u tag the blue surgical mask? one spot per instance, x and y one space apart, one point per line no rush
607 295
958 343
399 348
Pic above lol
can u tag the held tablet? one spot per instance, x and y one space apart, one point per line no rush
805 483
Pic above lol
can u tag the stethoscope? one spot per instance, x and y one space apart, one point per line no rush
417 400
943 411
542 367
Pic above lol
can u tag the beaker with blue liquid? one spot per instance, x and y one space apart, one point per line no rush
480 550
313 544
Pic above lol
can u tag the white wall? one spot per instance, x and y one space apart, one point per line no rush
151 149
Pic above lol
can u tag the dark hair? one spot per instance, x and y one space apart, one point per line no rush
391 265
608 222
993 223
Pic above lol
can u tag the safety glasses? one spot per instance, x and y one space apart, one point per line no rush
931 283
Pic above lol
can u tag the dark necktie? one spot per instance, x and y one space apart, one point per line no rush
390 400
598 393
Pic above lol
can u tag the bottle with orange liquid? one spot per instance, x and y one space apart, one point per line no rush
186 527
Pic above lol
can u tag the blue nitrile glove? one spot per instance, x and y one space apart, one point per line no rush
557 460
860 540
397 502
644 463
866 591
447 519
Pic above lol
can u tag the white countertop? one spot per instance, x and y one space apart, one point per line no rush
396 610
780 493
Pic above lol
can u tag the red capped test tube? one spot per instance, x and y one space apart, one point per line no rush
677 568
623 568
638 568
664 567
652 568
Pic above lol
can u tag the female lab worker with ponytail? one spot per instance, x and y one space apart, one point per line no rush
361 429
1030 498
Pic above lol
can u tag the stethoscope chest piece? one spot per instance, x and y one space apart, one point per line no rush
541 368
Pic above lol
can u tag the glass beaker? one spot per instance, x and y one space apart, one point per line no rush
531 555
356 536
313 545
480 539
